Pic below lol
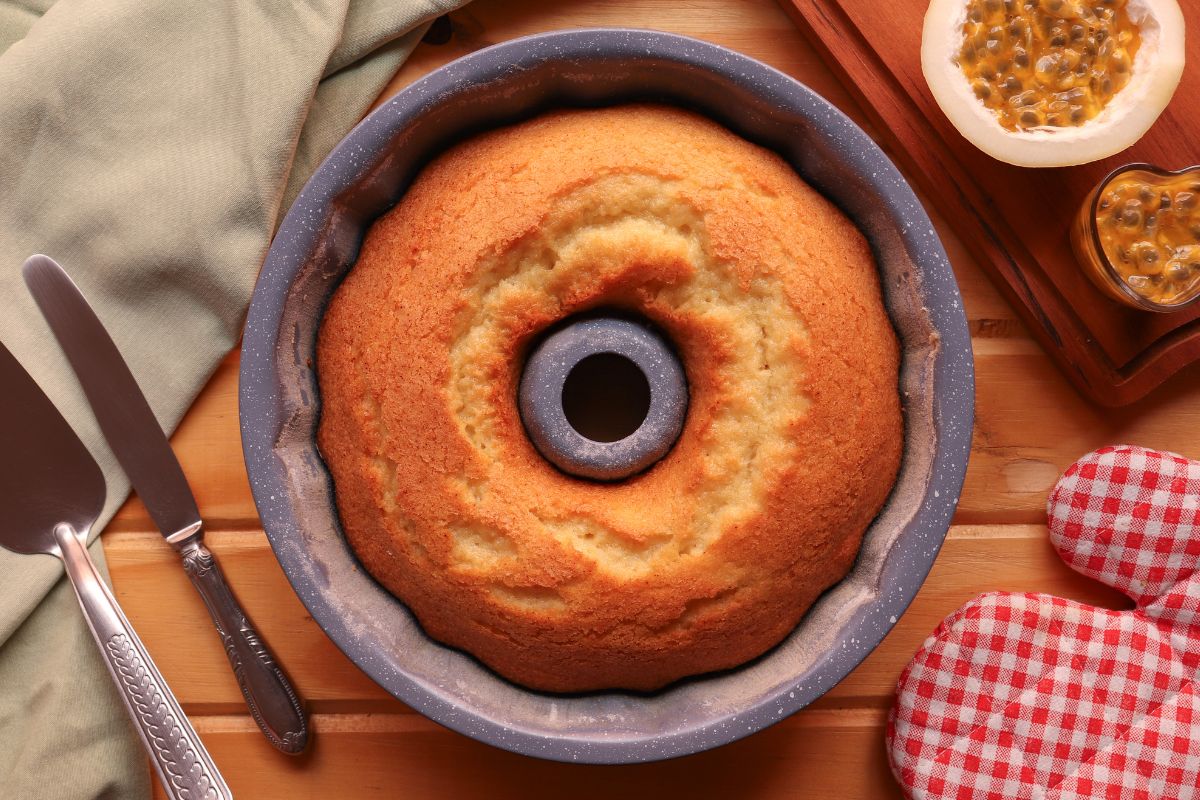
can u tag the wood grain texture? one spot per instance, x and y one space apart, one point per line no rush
170 617
1016 220
818 755
1030 424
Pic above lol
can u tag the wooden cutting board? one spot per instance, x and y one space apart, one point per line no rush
1016 220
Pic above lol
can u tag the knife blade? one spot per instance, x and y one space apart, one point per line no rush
53 491
125 417
133 433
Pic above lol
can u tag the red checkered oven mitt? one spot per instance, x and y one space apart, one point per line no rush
1032 696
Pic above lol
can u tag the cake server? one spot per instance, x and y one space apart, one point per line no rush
52 491
147 458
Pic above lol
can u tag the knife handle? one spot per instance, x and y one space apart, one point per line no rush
272 700
183 765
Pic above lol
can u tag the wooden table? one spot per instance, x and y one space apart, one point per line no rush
1030 425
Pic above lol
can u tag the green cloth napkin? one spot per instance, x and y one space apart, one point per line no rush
151 147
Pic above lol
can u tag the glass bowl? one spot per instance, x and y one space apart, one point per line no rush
1097 216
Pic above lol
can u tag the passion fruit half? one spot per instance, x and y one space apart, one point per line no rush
1051 83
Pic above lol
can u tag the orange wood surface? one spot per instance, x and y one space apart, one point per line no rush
1016 221
1030 425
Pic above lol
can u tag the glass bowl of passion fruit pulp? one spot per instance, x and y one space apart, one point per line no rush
1137 236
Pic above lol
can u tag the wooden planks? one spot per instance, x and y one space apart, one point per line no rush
1030 424
755 27
172 621
406 756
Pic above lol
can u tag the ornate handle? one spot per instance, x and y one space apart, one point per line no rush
272 700
183 765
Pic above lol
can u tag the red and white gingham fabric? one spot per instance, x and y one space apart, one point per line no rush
1031 696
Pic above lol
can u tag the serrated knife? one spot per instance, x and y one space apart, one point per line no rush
52 491
142 448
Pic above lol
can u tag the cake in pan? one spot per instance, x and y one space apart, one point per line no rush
770 297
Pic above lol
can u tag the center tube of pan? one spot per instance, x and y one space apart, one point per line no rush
603 397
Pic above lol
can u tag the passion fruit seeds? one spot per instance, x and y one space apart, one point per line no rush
1047 62
1150 232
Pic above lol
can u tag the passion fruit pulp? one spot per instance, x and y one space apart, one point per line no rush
1138 236
1053 62
1052 82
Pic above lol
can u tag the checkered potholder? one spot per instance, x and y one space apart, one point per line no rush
1031 696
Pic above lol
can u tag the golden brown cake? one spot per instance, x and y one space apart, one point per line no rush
793 435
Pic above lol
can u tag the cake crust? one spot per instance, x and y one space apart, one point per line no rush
794 431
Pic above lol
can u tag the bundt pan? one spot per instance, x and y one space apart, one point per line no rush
318 243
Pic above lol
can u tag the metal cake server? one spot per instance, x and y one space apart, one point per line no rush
147 458
52 491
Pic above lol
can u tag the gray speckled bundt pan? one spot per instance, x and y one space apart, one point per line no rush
318 242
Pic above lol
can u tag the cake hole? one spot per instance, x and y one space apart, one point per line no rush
606 397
